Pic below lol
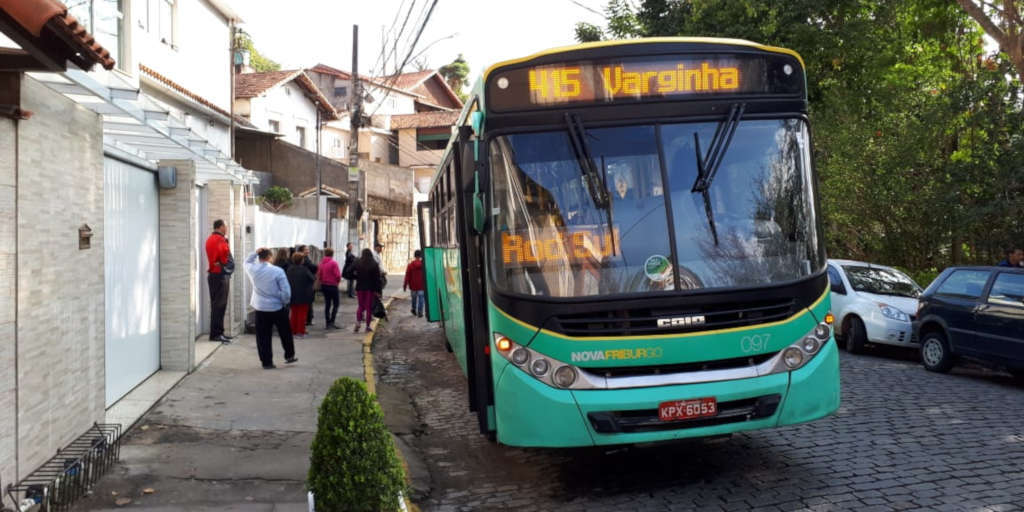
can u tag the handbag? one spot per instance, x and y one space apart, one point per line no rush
378 309
229 267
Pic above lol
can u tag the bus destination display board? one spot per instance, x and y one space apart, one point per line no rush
640 79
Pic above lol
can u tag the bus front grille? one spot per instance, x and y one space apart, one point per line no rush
646 420
640 321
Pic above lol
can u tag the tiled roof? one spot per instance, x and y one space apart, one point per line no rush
425 119
250 85
327 70
407 81
47 19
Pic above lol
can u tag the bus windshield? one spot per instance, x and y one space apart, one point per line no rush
755 225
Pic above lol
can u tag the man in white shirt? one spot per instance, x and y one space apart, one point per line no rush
270 297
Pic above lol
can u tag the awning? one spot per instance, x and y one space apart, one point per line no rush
138 126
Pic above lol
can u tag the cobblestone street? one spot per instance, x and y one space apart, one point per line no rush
903 439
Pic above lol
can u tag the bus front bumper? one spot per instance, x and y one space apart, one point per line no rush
531 413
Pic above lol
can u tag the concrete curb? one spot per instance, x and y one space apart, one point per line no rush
370 376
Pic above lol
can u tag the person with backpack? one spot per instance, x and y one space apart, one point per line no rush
415 282
368 289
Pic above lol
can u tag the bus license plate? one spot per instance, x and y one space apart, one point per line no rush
687 409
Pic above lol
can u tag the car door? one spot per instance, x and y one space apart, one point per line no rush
1000 319
955 300
840 297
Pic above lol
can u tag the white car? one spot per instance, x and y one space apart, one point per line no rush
872 304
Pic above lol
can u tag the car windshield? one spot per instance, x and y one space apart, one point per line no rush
755 225
881 281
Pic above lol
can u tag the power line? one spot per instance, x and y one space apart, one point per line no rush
587 7
412 48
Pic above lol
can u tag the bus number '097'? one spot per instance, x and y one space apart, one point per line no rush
754 343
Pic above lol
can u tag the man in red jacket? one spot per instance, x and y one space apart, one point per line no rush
415 281
219 278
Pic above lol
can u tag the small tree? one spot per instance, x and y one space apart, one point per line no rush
277 198
354 466
455 74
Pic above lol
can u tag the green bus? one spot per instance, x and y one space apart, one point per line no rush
623 244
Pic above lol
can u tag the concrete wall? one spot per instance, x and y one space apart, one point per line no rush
388 189
60 306
177 271
292 167
409 156
8 304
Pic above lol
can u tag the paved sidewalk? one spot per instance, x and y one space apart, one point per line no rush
232 436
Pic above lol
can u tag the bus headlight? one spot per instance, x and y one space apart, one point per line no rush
564 376
811 344
520 356
539 367
793 357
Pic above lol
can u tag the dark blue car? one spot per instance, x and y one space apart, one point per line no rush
975 313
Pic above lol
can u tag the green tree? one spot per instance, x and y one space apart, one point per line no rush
1004 23
588 32
455 74
257 61
917 133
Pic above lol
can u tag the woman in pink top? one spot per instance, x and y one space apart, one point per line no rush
329 275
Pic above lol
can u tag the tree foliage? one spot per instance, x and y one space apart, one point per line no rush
277 198
257 61
918 132
1004 23
455 74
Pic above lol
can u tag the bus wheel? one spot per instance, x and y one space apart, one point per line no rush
854 335
935 353
448 346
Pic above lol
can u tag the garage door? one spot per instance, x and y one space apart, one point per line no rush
130 243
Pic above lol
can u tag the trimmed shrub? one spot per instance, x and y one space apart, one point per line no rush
354 466
277 198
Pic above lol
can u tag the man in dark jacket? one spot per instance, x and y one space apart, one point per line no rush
300 279
346 270
1013 257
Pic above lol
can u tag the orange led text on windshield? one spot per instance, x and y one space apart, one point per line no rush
517 249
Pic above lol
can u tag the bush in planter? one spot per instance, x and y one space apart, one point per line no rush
354 465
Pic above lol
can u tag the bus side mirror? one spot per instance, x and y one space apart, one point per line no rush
479 217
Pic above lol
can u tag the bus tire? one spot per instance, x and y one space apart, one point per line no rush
935 354
448 346
854 335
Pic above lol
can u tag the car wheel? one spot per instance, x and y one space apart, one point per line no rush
854 335
935 353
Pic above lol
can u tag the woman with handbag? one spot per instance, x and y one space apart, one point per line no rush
367 274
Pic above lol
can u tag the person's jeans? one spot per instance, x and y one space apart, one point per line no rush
265 323
365 298
351 285
331 300
219 285
418 301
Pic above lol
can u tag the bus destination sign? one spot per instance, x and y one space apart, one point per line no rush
640 79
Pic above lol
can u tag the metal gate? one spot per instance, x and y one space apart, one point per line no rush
131 261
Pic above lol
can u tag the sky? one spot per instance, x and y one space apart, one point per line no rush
301 33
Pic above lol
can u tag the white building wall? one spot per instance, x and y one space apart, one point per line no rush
198 56
388 102
336 140
290 108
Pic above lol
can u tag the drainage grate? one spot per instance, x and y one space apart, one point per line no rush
71 472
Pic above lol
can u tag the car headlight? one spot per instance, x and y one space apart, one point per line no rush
893 313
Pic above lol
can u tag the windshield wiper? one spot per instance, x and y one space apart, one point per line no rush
707 165
595 178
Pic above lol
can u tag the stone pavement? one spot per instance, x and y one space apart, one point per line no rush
903 439
232 436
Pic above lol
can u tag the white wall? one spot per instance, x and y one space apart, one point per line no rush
335 141
274 230
290 108
198 57
388 102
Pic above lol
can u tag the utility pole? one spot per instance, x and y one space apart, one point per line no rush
319 180
353 144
